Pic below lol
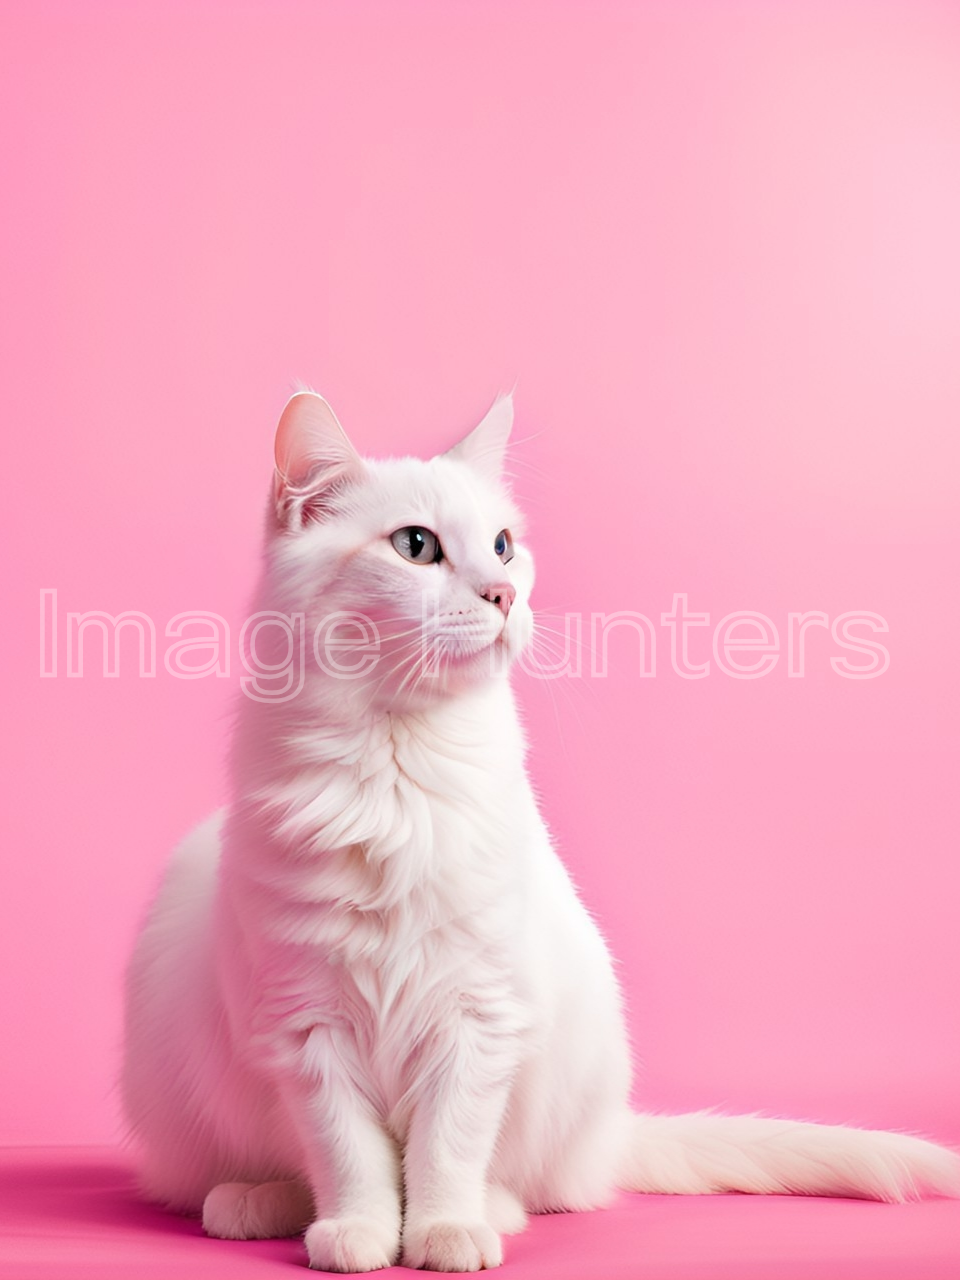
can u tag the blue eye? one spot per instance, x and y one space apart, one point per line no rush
503 546
420 546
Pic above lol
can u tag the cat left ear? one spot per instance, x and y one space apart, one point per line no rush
485 447
313 455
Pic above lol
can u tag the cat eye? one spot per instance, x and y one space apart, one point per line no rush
417 545
503 546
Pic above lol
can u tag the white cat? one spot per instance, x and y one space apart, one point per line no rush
367 1001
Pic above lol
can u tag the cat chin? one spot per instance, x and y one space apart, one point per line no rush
459 673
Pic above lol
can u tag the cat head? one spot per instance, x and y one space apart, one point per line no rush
410 574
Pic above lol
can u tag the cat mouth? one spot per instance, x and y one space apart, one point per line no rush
467 640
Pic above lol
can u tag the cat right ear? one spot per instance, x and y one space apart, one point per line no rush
313 457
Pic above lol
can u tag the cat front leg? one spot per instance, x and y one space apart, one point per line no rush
458 1110
353 1167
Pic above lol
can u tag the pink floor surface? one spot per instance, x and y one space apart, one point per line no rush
72 1212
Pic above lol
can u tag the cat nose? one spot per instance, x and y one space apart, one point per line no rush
501 594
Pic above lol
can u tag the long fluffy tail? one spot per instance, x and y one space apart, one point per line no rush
702 1153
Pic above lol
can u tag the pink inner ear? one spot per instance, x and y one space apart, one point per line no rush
485 447
312 454
310 441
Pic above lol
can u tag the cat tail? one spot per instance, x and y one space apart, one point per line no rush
704 1152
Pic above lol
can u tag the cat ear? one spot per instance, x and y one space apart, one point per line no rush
313 455
485 447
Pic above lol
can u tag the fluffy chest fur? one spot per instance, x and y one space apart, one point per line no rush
372 891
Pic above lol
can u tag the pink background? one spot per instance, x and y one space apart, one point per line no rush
718 246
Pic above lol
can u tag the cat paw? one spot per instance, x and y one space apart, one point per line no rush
222 1211
351 1244
256 1211
452 1246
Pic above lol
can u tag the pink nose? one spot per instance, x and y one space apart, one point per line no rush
501 594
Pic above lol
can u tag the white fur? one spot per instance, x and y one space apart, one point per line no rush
368 1001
